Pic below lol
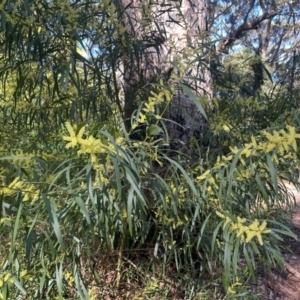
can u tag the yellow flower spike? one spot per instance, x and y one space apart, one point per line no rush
281 148
226 128
268 135
80 134
149 108
23 273
253 140
276 138
209 190
231 290
168 96
246 152
250 235
269 147
237 284
204 175
92 146
237 281
124 214
234 227
72 138
227 221
241 230
94 159
14 183
13 187
212 181
229 158
30 193
240 220
294 145
242 161
220 215
256 230
239 227
7 277
69 278
142 118
134 126
120 141
234 150
3 220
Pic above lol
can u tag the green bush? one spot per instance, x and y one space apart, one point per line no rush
220 210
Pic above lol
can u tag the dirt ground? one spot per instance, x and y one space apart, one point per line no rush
286 284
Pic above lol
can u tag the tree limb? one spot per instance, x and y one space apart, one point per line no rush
247 26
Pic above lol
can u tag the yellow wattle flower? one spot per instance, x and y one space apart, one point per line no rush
72 138
256 230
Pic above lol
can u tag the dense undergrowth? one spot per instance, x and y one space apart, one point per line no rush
92 208
206 216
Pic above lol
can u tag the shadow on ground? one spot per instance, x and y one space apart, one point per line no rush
285 284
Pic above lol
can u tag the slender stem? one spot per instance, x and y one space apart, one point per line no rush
119 265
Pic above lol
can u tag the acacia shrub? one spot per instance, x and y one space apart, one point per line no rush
106 192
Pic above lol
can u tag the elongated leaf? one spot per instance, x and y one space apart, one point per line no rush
83 208
273 173
231 175
18 285
214 237
132 180
59 279
53 219
15 231
262 190
249 262
194 99
130 205
185 175
203 226
29 238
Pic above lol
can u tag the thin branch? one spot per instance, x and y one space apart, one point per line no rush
245 27
228 8
265 42
248 12
262 5
282 37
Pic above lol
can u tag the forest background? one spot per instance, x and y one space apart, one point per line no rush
144 146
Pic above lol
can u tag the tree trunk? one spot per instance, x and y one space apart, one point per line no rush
162 34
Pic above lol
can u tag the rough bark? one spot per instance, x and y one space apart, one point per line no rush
160 35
